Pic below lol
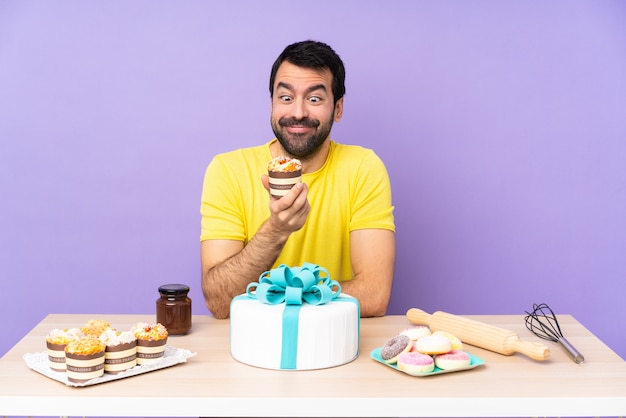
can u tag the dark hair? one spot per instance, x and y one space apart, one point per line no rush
314 55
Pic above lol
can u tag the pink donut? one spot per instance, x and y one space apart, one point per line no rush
394 347
455 359
415 363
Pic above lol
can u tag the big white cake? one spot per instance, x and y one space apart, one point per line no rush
320 336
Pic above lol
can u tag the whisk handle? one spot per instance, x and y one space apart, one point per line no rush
534 350
571 350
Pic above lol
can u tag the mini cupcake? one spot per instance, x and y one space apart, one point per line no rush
121 350
85 359
151 340
283 174
56 341
95 327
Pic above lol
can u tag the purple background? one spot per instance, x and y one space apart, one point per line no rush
503 126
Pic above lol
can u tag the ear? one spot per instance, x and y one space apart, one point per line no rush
338 110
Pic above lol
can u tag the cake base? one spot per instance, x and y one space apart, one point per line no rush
322 336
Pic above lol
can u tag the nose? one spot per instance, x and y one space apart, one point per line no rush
299 110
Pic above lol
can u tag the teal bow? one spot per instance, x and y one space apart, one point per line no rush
293 285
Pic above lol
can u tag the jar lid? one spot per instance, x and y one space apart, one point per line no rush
174 289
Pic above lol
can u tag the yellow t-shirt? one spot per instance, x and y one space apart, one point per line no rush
350 191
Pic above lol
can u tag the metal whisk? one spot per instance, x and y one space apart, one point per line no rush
543 323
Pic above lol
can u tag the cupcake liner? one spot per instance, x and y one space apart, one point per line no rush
82 368
56 356
150 351
282 182
120 357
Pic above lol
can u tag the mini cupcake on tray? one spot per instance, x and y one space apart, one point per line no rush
56 340
121 350
95 327
151 340
85 359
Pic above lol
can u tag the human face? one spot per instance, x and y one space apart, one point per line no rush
303 111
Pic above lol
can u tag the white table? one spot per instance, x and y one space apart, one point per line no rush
213 384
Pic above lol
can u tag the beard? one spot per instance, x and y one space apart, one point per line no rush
302 145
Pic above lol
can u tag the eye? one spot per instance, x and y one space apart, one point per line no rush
315 99
285 98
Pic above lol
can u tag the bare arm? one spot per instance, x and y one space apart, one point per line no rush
228 266
373 254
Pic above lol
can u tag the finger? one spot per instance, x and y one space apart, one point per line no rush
289 199
265 179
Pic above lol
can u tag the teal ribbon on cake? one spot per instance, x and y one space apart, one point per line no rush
309 283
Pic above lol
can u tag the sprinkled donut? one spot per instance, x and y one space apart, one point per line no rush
416 332
433 344
416 363
455 342
455 359
394 347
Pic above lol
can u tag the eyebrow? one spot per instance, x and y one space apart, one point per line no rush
309 90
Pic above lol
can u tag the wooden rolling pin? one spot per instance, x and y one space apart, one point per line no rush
479 334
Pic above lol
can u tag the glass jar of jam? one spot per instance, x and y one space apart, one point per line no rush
173 308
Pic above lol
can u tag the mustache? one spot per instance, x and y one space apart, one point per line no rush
309 123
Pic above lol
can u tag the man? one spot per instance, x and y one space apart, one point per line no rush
340 217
